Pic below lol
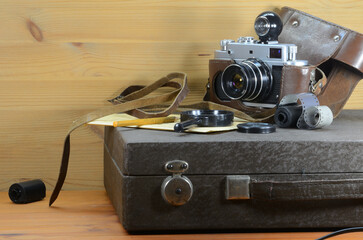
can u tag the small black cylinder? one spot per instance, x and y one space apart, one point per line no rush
26 192
287 116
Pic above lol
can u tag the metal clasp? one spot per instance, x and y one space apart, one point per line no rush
176 166
176 189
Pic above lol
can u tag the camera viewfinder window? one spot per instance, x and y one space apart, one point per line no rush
275 53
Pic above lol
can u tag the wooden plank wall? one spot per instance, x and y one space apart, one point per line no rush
61 59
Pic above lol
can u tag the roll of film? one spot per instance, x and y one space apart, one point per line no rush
26 192
287 116
318 116
308 115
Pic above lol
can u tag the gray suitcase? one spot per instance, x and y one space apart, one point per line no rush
289 179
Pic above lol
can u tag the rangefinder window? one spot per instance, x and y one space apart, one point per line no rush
275 53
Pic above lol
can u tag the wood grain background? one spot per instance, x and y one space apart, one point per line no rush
61 59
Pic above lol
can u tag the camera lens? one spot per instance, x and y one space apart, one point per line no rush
234 81
262 26
249 80
237 81
268 26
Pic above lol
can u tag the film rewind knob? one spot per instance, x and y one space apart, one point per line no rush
176 189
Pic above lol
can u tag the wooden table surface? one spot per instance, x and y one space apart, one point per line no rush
90 215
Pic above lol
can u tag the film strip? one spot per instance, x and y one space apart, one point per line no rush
302 111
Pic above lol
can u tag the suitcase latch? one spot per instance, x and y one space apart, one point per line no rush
177 189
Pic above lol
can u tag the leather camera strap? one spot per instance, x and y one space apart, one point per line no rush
131 102
317 87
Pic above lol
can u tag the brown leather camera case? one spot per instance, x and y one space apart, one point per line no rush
294 80
336 50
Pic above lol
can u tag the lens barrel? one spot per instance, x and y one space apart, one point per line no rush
249 80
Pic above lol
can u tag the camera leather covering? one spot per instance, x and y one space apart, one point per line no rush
295 79
335 49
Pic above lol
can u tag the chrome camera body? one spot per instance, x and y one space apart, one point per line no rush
255 75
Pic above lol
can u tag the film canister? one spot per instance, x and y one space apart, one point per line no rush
287 116
27 192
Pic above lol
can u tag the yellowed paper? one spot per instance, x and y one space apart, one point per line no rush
108 121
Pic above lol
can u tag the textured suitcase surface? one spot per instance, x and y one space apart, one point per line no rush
289 179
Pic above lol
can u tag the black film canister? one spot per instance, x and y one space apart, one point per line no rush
287 116
26 192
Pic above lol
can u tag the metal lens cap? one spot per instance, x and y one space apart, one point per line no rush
256 127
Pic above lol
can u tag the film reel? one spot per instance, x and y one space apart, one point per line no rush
308 115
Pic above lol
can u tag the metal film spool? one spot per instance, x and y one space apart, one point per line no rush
313 116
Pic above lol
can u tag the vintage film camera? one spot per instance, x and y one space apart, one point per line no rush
247 74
